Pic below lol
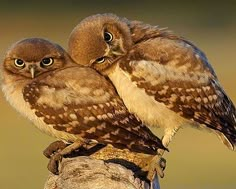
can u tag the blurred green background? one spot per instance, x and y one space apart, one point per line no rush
197 159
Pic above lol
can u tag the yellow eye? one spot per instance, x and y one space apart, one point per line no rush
19 63
100 60
46 62
108 37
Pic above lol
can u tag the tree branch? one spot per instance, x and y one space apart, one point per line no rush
86 173
107 168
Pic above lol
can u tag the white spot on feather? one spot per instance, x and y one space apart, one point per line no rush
73 116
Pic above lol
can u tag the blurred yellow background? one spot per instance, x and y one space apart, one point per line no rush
197 159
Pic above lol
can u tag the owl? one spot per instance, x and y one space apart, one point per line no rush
164 79
70 102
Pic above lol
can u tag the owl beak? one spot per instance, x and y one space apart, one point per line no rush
32 72
118 53
114 53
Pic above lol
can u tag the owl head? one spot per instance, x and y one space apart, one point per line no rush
99 40
32 57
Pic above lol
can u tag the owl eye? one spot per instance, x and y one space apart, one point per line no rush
46 62
19 63
100 60
108 36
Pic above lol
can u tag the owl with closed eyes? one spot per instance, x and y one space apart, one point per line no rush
164 79
70 102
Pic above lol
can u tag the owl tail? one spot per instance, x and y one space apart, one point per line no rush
228 140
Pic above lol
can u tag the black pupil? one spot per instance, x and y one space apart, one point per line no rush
46 61
19 62
107 36
100 59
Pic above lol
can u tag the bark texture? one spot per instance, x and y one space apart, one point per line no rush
85 172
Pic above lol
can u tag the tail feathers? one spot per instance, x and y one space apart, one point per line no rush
228 140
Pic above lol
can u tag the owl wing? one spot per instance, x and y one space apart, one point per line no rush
177 74
86 105
142 32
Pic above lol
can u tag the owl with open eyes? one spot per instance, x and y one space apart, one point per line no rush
164 79
70 102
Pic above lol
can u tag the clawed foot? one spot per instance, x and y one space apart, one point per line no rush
156 165
56 150
53 148
52 152
54 163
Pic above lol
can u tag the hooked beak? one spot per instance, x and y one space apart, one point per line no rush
32 71
117 53
114 52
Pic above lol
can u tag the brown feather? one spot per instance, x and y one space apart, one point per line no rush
161 74
69 101
88 118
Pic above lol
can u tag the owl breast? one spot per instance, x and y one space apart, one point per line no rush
14 95
150 111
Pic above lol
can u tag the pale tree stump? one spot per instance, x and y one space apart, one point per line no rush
87 173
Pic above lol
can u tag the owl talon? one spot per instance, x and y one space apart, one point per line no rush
156 165
54 163
162 163
54 147
56 158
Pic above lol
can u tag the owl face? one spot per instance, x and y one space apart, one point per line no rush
30 58
99 40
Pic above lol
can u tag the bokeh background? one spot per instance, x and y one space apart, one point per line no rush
197 159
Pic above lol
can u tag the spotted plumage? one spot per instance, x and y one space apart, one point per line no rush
165 80
68 101
89 112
